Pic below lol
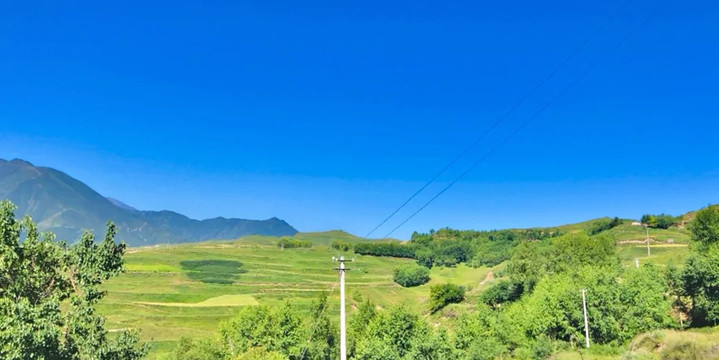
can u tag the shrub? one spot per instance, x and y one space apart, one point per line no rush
661 221
204 349
443 294
288 243
603 225
505 291
411 275
340 245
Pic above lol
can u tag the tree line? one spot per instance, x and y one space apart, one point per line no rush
449 247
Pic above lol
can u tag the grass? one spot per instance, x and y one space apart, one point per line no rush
187 290
628 232
656 345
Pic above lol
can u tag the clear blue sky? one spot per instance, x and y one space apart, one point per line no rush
330 114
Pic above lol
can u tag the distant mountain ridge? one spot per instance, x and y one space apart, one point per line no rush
61 204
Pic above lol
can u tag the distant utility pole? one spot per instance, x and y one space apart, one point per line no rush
343 323
646 229
586 322
636 262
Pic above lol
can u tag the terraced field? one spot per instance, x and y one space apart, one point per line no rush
168 292
187 290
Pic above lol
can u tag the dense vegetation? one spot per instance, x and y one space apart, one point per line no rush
48 291
394 249
448 247
661 221
536 310
289 243
411 275
340 245
603 225
442 295
700 278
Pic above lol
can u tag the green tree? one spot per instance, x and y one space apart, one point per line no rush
705 228
205 349
323 333
393 334
411 275
259 353
701 273
441 295
275 329
48 291
358 324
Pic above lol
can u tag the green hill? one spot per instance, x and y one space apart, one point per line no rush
188 289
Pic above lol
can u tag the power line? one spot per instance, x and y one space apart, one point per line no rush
511 110
523 125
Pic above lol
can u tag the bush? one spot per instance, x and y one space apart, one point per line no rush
411 275
603 225
340 245
443 294
505 291
204 349
661 221
288 243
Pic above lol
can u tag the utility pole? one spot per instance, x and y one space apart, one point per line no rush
636 262
343 323
646 229
586 323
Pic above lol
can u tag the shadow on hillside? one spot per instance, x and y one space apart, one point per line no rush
213 271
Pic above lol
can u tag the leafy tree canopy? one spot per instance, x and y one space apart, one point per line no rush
48 291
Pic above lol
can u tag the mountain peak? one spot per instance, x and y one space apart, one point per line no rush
17 161
66 206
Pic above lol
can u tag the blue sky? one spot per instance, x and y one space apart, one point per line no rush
330 114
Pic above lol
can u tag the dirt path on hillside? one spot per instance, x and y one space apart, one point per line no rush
488 278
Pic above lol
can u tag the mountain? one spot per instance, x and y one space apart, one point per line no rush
120 204
61 204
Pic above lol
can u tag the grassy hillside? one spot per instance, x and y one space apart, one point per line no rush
187 290
659 345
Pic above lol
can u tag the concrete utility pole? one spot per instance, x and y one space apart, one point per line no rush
586 323
646 228
343 324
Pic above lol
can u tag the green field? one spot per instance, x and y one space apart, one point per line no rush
187 290
168 292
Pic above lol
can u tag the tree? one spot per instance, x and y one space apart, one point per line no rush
48 291
504 291
701 273
443 294
275 329
205 349
358 324
260 353
661 221
409 275
603 225
323 332
393 335
705 227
